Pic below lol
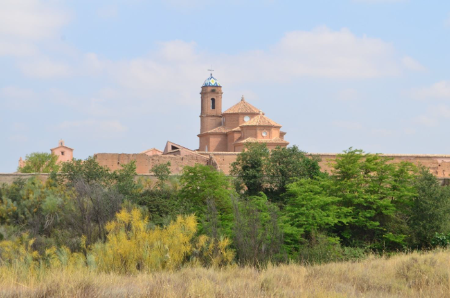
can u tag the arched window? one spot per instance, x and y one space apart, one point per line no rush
213 103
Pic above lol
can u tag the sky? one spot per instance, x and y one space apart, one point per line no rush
122 76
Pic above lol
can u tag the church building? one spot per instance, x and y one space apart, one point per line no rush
229 131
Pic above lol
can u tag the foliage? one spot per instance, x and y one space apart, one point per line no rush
287 164
40 162
162 173
429 211
88 170
258 236
378 193
250 167
201 184
311 208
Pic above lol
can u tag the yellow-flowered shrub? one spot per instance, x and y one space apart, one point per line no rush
131 246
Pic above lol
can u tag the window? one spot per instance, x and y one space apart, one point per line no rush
62 152
213 103
206 149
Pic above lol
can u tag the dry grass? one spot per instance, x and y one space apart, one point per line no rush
412 275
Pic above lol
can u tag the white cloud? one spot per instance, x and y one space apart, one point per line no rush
24 22
30 19
171 72
44 68
97 128
14 97
412 64
433 115
439 90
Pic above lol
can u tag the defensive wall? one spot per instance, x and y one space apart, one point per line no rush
438 164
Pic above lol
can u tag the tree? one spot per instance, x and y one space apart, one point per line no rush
40 162
88 170
250 167
311 209
287 164
203 188
257 233
162 173
378 193
429 210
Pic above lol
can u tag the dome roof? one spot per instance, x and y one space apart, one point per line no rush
211 82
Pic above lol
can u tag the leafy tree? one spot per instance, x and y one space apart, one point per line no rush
287 164
125 181
162 173
202 186
430 209
88 170
250 167
378 193
40 162
311 209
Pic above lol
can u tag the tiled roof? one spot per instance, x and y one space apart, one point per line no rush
253 140
220 129
261 120
242 107
236 129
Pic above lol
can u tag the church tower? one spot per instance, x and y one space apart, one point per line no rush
211 105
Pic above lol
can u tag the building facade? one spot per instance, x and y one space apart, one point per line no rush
229 131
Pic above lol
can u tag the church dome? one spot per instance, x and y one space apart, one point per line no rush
211 82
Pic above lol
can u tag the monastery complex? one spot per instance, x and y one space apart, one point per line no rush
224 134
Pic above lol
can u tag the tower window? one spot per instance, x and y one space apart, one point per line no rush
213 103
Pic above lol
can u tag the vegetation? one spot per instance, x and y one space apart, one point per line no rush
405 276
40 162
277 209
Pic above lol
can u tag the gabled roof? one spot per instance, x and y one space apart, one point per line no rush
61 147
242 107
261 120
151 149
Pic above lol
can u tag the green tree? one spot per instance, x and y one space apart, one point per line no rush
430 209
88 170
287 164
250 167
40 162
378 193
203 189
162 173
311 208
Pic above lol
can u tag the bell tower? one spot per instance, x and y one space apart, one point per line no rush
211 105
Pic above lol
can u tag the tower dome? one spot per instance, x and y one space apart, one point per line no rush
211 82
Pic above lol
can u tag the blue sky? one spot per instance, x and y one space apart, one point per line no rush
125 76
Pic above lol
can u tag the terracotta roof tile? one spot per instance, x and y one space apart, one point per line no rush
261 120
242 107
220 129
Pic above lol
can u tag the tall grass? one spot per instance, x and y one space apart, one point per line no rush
408 275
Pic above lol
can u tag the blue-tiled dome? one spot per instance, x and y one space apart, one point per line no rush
211 82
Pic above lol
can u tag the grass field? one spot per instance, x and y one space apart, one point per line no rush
410 275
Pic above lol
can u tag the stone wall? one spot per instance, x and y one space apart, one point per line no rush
145 162
438 164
